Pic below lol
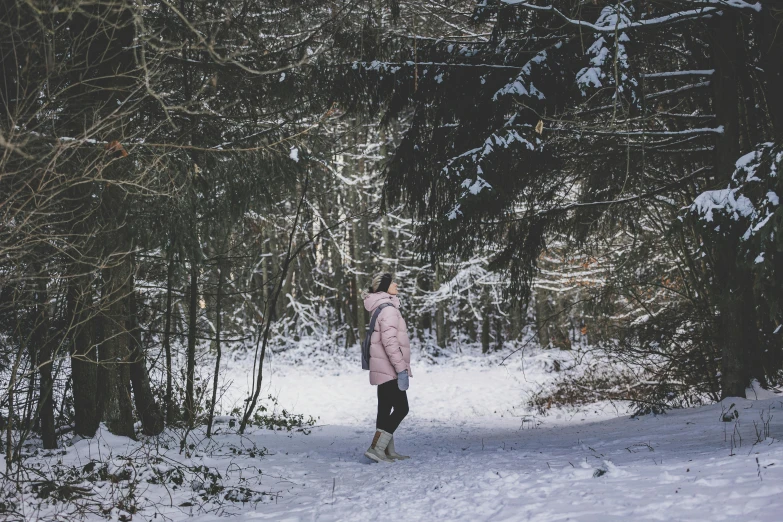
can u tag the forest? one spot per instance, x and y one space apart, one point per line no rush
192 191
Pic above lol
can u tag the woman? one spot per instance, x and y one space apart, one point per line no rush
390 366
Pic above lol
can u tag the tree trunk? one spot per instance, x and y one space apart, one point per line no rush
485 330
388 248
771 46
441 335
265 270
171 410
359 269
517 319
10 455
339 277
387 245
287 290
117 409
471 328
218 349
352 292
365 270
147 409
84 361
40 343
274 311
190 404
306 267
737 323
498 333
543 319
110 29
425 323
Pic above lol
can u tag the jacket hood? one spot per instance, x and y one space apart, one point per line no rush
373 301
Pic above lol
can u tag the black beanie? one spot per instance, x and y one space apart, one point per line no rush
386 281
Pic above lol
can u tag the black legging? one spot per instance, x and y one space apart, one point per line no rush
391 397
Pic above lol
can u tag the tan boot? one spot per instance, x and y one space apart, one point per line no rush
377 450
390 453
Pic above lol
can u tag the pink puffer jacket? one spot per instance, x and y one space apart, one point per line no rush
390 348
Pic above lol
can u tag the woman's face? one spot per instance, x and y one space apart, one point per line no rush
393 288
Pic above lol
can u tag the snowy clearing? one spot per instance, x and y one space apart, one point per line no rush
477 454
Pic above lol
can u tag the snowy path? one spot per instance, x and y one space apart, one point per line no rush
470 463
476 454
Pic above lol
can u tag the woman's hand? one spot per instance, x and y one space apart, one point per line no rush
402 380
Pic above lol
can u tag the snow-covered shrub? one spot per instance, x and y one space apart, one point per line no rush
272 418
116 478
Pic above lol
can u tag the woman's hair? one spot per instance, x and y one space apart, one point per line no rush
375 283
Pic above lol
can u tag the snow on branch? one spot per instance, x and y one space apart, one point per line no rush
736 4
702 7
687 132
393 67
640 197
522 85
677 90
471 275
726 200
672 74
751 198
473 184
604 53
609 62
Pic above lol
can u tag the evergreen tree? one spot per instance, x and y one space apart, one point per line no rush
588 120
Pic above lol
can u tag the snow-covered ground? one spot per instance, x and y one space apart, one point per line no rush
478 454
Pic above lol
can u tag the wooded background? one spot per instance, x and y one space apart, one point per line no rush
183 179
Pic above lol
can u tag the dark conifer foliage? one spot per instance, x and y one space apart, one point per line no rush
183 180
582 120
